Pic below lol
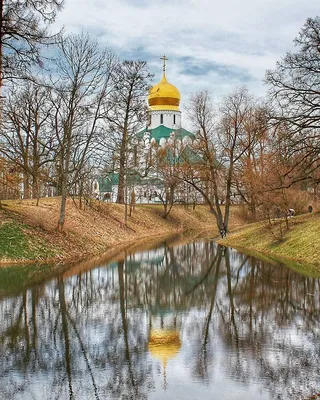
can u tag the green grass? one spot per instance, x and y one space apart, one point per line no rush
298 247
17 243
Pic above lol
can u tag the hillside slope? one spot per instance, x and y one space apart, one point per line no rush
300 244
28 232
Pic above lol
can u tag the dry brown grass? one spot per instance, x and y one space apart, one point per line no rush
101 227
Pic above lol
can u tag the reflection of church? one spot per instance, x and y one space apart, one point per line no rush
163 130
165 302
164 339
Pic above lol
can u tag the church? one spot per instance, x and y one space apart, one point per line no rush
163 128
164 115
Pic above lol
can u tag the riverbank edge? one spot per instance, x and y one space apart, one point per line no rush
267 248
16 277
22 274
58 261
307 269
94 231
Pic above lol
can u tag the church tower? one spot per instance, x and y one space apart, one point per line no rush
162 130
163 123
164 100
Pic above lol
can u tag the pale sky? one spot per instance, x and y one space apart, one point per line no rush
214 45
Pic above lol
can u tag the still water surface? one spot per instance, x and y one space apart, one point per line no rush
193 321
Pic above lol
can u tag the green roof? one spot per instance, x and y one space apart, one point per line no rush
162 131
106 182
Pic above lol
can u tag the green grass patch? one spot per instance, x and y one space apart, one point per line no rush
16 242
298 247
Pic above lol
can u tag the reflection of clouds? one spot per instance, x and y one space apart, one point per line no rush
246 330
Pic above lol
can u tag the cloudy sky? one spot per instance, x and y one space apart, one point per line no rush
214 45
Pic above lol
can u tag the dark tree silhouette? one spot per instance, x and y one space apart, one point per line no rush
24 27
294 93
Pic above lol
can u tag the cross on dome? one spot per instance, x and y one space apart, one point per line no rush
164 58
164 95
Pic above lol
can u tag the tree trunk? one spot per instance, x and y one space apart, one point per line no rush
64 184
26 186
63 205
168 203
228 198
35 188
59 180
122 169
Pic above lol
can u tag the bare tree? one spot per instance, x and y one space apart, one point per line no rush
235 111
294 93
169 161
132 80
23 29
250 171
218 147
203 173
27 140
80 92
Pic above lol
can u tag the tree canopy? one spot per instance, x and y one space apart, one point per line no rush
24 26
294 84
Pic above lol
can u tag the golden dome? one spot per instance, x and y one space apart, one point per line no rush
164 344
164 96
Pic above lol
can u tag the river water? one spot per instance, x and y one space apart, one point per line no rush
191 321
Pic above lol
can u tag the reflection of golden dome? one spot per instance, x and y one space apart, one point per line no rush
164 344
164 96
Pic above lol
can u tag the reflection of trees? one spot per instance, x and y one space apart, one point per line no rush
266 308
203 351
259 311
161 278
68 339
86 337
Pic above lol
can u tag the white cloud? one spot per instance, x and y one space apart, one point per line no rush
210 44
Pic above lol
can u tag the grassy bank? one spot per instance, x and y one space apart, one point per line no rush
28 235
299 246
28 232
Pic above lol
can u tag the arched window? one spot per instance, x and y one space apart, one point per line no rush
161 118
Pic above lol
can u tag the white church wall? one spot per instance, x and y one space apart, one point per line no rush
170 119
